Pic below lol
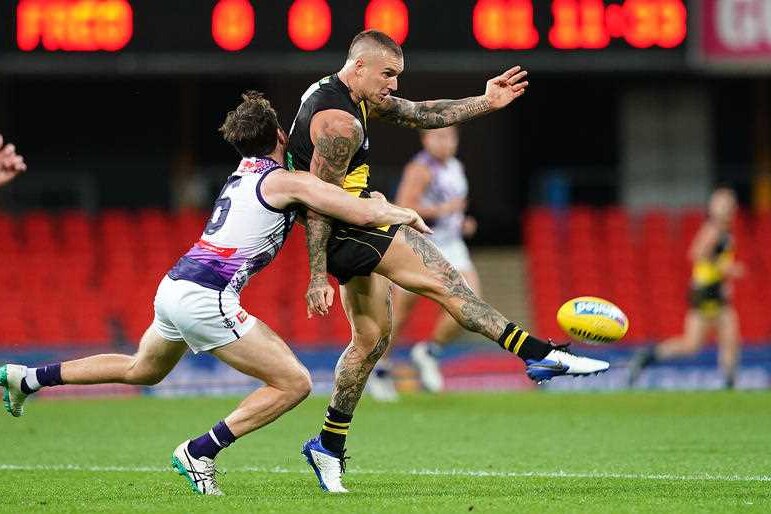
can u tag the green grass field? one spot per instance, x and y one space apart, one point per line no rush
528 452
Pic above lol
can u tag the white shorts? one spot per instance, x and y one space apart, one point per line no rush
204 318
456 253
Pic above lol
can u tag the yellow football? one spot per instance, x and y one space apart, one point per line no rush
592 320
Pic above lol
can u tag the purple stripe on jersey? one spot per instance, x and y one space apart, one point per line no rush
207 268
197 272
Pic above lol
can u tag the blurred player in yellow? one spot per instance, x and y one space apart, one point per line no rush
11 164
434 184
714 268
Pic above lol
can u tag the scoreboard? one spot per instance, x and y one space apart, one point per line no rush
202 36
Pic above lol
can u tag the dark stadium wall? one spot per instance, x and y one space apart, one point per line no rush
132 139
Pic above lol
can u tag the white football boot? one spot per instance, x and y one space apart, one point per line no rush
560 362
11 376
381 385
328 466
200 473
428 367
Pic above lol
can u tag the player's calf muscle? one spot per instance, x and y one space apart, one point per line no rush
351 373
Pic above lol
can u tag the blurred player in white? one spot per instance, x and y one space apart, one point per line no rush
434 184
11 164
197 305
714 269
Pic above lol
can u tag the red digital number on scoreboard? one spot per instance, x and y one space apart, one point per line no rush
232 24
74 25
389 16
581 24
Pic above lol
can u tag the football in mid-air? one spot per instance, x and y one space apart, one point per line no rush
592 320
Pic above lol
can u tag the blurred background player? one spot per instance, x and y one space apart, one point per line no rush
714 268
434 184
11 164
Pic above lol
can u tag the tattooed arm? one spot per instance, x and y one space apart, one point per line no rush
499 92
336 135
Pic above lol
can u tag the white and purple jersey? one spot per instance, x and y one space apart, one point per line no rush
242 236
448 182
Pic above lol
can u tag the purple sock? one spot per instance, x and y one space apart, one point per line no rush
50 375
210 444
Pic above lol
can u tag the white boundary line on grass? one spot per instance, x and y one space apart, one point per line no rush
414 472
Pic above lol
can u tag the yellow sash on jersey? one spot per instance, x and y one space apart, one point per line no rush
708 271
357 180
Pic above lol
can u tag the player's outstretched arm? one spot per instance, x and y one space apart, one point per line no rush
11 164
499 92
283 188
336 136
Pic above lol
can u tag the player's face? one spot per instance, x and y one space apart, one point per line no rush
378 73
722 206
441 143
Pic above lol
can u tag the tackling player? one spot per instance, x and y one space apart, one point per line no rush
434 184
11 164
197 302
329 137
714 268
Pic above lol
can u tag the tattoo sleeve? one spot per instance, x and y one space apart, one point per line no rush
466 307
432 113
334 148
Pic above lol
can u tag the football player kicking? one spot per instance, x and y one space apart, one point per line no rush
329 138
197 302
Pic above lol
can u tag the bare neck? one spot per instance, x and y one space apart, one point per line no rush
347 77
278 155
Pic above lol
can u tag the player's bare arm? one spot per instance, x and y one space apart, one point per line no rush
283 188
336 135
704 242
414 182
11 164
499 92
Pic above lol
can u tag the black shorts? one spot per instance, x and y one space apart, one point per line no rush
356 251
708 299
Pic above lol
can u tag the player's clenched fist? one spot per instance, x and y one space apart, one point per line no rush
11 164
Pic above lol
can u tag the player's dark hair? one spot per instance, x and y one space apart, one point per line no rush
379 38
252 127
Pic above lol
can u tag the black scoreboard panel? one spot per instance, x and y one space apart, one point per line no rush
199 36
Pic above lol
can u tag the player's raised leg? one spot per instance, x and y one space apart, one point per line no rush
261 354
154 359
367 304
426 354
414 263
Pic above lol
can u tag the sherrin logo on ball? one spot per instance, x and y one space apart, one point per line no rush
592 320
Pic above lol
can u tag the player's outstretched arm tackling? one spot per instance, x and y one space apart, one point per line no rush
284 188
499 92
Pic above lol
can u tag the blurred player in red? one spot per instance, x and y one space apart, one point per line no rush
11 164
434 184
714 269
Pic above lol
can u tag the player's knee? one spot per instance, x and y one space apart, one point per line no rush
299 385
692 344
144 375
374 341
